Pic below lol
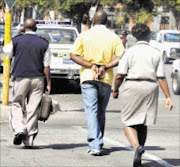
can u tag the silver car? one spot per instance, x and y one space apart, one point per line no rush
176 77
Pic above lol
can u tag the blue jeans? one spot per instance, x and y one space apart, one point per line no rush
96 97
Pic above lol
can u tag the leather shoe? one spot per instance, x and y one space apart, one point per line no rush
137 157
28 142
18 138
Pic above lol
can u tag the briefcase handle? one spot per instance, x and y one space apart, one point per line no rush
46 93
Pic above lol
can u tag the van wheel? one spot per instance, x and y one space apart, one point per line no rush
176 83
165 58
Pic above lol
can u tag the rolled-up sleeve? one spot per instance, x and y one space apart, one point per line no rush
78 46
123 64
47 57
8 50
160 68
119 49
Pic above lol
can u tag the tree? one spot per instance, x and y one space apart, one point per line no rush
174 5
42 6
2 5
75 9
140 11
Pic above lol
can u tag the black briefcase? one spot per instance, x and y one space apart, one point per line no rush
45 107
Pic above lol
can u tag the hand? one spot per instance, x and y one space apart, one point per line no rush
48 88
101 72
95 69
21 31
169 104
115 94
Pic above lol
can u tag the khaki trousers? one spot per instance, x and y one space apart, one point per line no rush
27 94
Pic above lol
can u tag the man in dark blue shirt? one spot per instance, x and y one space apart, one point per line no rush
31 56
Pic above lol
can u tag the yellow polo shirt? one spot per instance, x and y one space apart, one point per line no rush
99 45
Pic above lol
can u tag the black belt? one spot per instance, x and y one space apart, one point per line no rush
127 79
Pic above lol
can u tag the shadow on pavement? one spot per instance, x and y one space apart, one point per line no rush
154 148
61 146
173 162
115 149
108 151
114 111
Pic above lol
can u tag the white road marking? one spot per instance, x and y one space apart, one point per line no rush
117 143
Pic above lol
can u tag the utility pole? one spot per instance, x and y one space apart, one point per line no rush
6 63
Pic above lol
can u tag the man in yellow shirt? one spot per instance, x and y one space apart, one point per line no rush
99 45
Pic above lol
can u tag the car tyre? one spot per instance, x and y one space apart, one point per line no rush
176 83
165 58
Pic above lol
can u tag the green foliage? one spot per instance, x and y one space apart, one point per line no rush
143 17
141 11
2 3
174 5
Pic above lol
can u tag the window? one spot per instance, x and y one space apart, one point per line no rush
172 37
62 36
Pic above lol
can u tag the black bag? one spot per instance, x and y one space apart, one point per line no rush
45 107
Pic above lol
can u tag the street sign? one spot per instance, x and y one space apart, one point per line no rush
10 3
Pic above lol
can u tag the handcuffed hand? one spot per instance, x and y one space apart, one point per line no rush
101 72
98 73
94 68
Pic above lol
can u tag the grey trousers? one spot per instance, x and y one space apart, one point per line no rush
27 94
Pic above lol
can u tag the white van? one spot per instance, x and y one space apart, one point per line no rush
168 42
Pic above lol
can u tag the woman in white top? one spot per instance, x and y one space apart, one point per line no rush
143 68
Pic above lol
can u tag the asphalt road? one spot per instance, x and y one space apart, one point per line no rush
62 140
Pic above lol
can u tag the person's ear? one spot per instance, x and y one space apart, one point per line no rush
35 28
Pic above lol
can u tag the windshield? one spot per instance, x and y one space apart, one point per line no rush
62 36
172 37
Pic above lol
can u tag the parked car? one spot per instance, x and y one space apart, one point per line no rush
61 38
168 42
122 34
176 77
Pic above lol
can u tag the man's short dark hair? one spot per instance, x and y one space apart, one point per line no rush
141 32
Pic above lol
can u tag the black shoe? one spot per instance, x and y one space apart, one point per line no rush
18 138
137 157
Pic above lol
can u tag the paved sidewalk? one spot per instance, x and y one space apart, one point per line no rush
4 114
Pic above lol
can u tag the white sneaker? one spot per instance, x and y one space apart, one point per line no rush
94 152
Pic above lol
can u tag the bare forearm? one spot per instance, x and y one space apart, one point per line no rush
118 81
79 60
113 63
47 75
164 86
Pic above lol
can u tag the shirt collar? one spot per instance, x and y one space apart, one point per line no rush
29 32
99 26
142 42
